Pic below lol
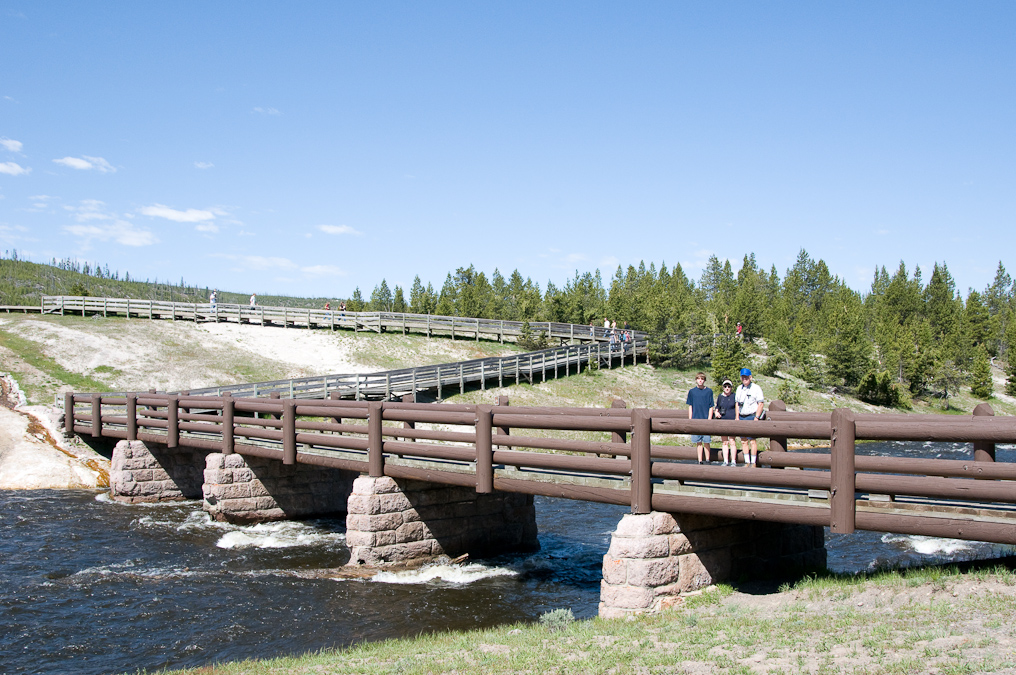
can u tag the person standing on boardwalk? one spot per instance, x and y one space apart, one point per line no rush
212 299
749 407
726 409
253 301
700 407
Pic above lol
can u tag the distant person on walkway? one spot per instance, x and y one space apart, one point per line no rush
253 300
212 299
606 322
749 407
740 331
328 310
613 326
726 409
342 308
700 407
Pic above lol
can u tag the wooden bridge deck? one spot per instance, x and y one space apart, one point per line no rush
629 461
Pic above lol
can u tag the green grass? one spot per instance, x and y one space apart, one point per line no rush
31 353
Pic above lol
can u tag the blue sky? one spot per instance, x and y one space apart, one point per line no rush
309 148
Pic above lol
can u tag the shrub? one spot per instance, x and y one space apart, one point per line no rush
788 393
770 366
557 619
527 340
879 389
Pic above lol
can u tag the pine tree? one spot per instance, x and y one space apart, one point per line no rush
729 357
1010 350
980 376
398 300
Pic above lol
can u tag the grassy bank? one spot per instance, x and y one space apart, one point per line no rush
930 620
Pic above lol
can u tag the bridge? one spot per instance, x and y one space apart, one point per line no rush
415 479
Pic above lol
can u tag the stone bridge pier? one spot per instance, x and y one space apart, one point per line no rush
388 521
235 488
392 522
657 557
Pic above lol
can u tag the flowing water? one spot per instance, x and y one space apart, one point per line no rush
91 586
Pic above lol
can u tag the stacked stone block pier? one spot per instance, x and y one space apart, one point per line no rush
655 558
392 522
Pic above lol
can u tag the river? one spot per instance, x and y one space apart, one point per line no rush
91 586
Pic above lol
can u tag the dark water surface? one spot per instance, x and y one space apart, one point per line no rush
90 586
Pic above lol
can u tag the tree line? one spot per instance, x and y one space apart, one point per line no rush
902 337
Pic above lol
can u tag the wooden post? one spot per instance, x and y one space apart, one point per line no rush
530 369
777 443
516 370
641 463
477 330
289 431
462 383
96 415
69 412
500 370
842 473
484 450
375 442
276 396
335 396
132 417
228 409
173 422
388 386
984 451
409 398
503 431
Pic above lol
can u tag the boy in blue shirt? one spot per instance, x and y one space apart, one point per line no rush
700 407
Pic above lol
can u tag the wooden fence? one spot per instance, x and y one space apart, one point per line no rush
481 446
428 324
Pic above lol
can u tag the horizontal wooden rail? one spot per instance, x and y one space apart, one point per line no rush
620 452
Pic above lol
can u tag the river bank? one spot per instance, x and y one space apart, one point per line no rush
931 620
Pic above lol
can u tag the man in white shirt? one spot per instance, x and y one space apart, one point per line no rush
749 400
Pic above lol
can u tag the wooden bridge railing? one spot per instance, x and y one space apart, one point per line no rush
455 326
481 446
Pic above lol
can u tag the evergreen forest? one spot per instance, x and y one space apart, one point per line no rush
903 337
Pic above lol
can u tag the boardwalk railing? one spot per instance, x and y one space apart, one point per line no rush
455 326
516 449
531 367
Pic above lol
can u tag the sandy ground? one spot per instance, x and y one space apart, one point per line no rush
35 455
139 354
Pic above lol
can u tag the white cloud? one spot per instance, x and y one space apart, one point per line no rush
322 271
203 165
338 229
207 227
259 262
610 262
573 258
119 231
188 216
86 163
10 144
12 169
98 224
267 111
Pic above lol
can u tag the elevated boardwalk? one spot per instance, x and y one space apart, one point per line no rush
582 347
427 324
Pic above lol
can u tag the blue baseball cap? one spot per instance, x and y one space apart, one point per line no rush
745 372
